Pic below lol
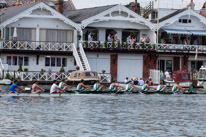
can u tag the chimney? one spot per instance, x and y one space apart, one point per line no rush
59 5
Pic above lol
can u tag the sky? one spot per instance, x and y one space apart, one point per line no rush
175 4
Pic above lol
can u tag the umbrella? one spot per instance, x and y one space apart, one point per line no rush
15 34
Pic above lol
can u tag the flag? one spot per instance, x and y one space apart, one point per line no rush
196 53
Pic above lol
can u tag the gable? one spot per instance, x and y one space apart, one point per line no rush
118 13
39 10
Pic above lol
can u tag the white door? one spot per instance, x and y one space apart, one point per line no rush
99 62
129 66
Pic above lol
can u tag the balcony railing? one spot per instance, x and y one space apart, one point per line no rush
36 45
144 46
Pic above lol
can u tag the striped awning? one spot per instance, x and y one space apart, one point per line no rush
182 32
198 32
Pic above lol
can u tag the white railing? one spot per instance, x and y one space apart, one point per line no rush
84 57
144 46
104 78
38 76
155 75
76 56
36 45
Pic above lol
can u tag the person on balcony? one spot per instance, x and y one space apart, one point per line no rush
90 37
109 38
195 42
36 89
129 40
147 40
180 42
185 42
15 88
133 40
55 89
97 86
142 40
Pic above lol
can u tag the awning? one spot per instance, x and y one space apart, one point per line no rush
182 32
198 32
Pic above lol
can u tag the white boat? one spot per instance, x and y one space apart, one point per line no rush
5 82
202 77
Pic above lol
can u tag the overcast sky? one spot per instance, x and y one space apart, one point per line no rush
175 4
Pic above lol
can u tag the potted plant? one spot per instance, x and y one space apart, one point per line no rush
99 44
134 45
113 44
126 45
86 44
20 67
26 69
118 44
105 44
8 76
62 69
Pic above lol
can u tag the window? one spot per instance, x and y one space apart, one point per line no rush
180 20
90 74
26 61
47 62
20 60
14 62
59 62
190 21
9 60
185 76
64 62
53 62
75 75
169 65
184 20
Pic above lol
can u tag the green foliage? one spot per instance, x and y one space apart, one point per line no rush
62 69
149 46
103 71
119 44
105 44
134 45
42 71
99 44
122 44
126 46
26 69
86 44
8 76
143 45
20 67
113 44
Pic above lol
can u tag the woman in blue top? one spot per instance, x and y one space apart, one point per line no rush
15 88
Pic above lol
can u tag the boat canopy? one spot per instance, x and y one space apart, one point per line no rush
180 76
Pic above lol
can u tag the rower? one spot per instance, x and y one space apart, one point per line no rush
15 88
160 87
63 85
81 86
55 89
114 86
129 87
146 87
176 87
190 89
97 86
36 89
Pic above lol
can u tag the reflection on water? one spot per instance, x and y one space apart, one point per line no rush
104 115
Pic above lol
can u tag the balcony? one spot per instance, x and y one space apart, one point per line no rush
143 47
36 45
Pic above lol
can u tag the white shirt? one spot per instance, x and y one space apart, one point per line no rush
167 74
126 81
53 88
89 38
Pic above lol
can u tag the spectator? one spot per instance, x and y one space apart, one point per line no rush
126 81
148 40
142 40
195 42
150 82
135 81
141 82
129 40
109 38
185 42
90 37
133 40
167 75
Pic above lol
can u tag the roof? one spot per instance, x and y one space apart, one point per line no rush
82 14
170 15
68 5
10 12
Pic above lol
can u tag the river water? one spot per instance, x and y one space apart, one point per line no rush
104 115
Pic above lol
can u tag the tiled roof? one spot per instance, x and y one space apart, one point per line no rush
82 14
68 5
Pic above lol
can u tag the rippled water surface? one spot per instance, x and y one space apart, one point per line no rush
104 115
